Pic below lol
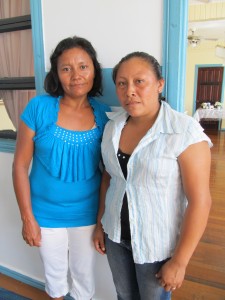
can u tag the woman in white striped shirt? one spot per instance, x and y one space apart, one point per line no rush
155 197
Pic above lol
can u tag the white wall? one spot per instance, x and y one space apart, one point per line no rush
14 253
115 28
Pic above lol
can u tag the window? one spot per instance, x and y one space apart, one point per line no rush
17 83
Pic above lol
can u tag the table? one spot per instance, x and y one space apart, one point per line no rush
208 113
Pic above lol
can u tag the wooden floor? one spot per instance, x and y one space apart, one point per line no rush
22 289
205 277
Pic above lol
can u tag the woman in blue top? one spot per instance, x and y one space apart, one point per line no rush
155 196
61 133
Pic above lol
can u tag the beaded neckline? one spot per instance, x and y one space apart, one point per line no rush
122 154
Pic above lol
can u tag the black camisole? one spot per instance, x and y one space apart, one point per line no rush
123 159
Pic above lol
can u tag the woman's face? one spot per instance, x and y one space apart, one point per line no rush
76 72
137 87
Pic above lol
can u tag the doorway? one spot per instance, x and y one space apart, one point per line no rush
209 90
209 85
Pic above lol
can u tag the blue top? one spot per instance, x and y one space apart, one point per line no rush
65 176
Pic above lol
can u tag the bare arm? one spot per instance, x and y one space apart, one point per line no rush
22 160
99 234
195 171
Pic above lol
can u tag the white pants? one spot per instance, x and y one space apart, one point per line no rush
72 249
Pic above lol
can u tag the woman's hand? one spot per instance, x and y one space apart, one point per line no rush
98 238
31 232
171 275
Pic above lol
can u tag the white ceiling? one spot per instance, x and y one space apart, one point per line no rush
208 29
214 29
203 1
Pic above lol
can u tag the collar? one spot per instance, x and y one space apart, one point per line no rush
168 120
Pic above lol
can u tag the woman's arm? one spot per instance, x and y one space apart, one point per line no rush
195 171
22 160
98 237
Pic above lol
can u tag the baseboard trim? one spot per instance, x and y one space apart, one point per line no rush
25 279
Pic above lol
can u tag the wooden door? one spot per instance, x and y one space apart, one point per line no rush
209 89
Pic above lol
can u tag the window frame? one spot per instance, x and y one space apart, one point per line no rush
33 22
16 83
15 23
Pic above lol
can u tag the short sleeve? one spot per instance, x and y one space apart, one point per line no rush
28 116
193 134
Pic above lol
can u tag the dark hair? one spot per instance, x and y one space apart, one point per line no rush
143 55
52 83
153 63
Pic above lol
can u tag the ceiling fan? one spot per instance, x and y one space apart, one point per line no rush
194 40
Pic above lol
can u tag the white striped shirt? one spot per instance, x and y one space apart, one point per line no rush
155 194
